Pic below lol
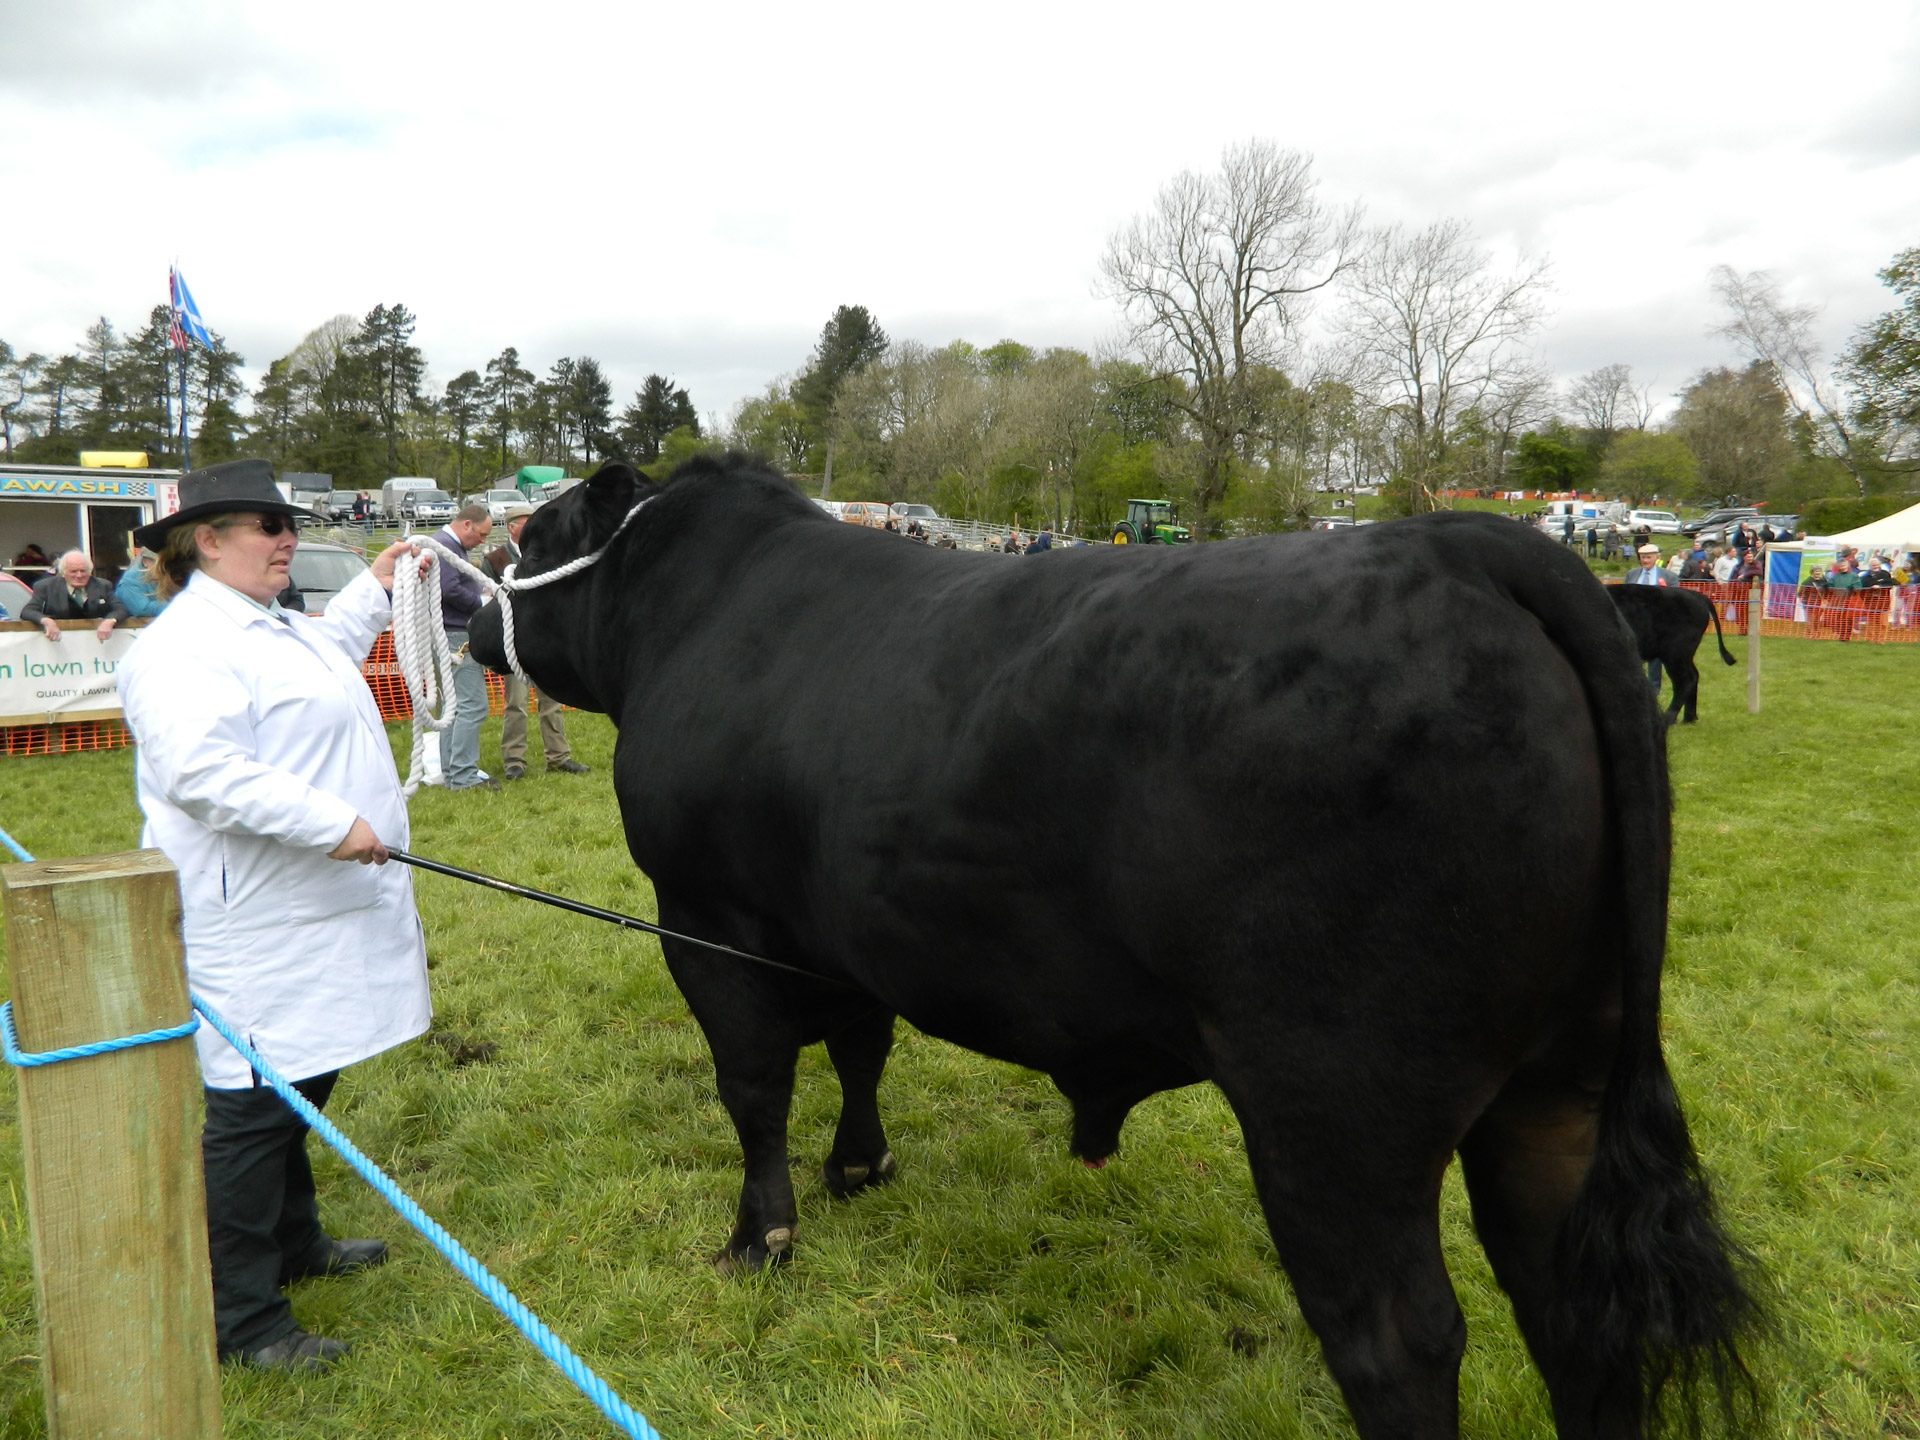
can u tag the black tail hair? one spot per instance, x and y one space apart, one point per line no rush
1651 1286
1719 639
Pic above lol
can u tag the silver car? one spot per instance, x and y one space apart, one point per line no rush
320 572
497 502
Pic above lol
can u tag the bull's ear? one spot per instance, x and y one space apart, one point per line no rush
615 488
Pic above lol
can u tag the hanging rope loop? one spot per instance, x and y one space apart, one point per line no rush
420 637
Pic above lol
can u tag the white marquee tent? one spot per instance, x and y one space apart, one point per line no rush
1900 532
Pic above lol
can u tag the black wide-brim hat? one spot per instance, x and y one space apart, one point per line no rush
220 490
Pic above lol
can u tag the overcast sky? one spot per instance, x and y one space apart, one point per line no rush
693 189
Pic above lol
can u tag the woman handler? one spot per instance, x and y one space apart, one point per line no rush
262 765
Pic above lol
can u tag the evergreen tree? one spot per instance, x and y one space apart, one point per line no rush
389 369
658 409
506 392
466 407
849 341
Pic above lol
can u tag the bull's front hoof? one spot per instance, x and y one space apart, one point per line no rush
846 1181
1099 1164
773 1248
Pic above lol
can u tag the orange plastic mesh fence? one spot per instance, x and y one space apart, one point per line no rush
390 689
1883 616
63 739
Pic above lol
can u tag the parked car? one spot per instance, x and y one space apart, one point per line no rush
320 572
871 513
392 491
931 520
497 501
1657 522
1723 519
832 507
340 504
427 507
14 592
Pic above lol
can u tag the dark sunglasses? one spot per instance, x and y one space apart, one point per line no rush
269 525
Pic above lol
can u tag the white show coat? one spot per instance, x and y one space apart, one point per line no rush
259 743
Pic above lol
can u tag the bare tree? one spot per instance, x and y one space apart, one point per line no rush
1607 401
1780 336
1438 331
1215 281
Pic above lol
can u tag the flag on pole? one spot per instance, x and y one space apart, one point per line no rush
187 324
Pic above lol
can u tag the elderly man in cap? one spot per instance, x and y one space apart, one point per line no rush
513 722
73 592
1650 573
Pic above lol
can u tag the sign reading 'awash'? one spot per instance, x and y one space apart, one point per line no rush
73 487
42 680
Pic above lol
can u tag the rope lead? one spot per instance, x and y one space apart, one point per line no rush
420 636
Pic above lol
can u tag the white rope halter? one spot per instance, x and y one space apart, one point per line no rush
420 637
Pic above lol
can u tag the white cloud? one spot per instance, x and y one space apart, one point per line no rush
693 190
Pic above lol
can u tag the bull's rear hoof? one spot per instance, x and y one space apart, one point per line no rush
845 1181
773 1248
1099 1164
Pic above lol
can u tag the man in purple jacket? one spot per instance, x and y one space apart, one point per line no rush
460 597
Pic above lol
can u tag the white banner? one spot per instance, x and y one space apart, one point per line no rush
42 681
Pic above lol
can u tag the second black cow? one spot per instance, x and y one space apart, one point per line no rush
1667 623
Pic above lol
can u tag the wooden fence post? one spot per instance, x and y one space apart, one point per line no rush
1756 619
112 1145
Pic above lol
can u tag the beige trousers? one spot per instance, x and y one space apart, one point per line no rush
513 727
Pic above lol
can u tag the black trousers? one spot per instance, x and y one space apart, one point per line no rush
263 1220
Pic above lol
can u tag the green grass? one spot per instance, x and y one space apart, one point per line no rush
998 1289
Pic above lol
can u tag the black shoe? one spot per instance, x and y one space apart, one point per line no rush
514 772
486 782
568 767
296 1353
344 1258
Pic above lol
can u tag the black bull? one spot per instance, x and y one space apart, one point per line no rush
1368 829
1667 624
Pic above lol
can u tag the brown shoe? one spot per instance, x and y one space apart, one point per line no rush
568 767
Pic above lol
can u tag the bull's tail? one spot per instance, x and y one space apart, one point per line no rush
1719 639
1652 1292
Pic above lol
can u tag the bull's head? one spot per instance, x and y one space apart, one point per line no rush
553 625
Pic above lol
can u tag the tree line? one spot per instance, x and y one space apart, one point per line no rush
352 400
1276 348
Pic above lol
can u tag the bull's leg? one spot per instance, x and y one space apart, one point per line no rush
1525 1160
1686 689
1354 1210
754 1067
860 1156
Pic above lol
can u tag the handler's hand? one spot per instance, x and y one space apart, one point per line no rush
53 630
385 561
104 629
361 844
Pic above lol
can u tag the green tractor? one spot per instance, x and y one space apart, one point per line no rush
1151 522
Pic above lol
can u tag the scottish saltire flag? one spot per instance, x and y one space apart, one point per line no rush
187 324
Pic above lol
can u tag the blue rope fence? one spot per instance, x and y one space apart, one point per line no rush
623 1415
27 1059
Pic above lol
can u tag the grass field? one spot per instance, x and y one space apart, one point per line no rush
998 1289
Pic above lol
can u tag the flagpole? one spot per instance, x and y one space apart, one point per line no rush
186 462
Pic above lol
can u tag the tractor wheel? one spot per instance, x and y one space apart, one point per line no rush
1123 534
